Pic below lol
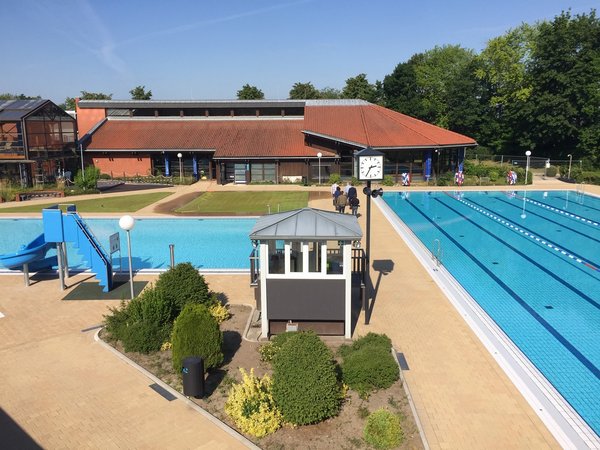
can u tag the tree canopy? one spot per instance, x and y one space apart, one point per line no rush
304 91
140 93
69 104
8 96
359 87
248 92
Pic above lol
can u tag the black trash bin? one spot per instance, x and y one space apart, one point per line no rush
193 376
304 181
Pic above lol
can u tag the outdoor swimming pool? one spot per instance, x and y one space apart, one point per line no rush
532 262
208 243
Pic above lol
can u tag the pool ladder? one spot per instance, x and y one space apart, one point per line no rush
437 253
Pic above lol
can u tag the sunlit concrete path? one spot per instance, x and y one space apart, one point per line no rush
64 390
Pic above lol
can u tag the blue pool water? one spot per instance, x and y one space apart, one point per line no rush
533 264
206 243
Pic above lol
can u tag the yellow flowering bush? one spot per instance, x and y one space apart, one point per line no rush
166 346
219 312
250 405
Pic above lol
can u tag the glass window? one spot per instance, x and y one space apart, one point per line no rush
276 256
296 257
263 172
314 256
335 257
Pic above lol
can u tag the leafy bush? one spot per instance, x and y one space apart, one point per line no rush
355 182
270 349
183 284
90 180
551 171
335 178
250 405
494 175
143 324
388 180
305 386
196 333
368 364
383 430
219 312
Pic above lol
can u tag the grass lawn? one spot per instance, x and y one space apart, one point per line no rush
125 203
245 203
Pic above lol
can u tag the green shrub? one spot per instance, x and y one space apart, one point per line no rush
270 349
250 405
494 175
355 182
335 178
368 364
305 386
144 337
142 324
197 333
90 180
388 180
383 430
551 171
183 284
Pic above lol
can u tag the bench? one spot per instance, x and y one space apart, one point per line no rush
34 195
484 180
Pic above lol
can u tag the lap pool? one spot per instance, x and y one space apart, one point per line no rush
531 261
208 243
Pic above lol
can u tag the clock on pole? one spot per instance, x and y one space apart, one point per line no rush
370 164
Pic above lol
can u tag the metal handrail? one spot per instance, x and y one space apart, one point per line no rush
437 253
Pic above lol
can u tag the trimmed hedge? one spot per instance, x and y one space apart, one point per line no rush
368 364
383 430
305 386
182 285
197 333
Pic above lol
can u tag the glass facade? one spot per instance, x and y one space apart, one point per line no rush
11 140
50 133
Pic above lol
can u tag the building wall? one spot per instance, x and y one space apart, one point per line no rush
87 118
117 165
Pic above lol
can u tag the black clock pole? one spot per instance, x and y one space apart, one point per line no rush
368 256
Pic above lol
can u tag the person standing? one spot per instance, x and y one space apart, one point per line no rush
334 189
351 191
341 201
354 203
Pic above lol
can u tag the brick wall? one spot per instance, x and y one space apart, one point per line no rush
87 118
117 165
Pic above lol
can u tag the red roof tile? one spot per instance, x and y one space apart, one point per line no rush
228 138
367 124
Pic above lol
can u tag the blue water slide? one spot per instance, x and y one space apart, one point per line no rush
26 254
70 227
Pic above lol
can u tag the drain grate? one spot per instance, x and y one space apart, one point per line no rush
163 392
402 361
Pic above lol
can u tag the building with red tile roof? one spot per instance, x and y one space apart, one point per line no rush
246 141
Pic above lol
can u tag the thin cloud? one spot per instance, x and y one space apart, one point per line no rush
202 23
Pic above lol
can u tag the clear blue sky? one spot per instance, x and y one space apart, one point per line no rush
208 49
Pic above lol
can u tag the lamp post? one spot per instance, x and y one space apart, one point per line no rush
570 161
319 155
179 155
81 154
528 154
127 223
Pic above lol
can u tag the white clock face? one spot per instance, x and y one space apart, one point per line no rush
370 168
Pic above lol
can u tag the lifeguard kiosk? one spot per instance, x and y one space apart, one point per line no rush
309 272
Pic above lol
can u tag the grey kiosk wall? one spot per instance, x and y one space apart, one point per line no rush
305 270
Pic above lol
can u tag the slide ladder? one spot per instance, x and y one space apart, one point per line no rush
70 227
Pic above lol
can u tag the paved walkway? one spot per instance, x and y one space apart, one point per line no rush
64 390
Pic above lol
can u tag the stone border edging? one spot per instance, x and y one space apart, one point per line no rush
233 433
410 402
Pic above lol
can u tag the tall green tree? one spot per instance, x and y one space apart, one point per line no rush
562 114
359 87
140 93
304 91
8 96
330 93
69 104
424 86
248 92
